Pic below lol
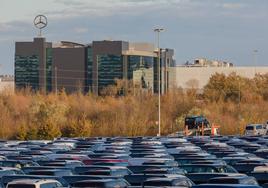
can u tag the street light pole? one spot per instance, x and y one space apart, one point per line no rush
158 31
56 80
255 60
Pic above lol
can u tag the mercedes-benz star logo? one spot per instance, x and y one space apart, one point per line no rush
40 22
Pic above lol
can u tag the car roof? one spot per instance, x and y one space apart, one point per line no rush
256 124
214 165
97 180
164 178
32 181
233 177
226 185
8 168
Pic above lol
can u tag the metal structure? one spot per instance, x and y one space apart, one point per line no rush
40 22
158 31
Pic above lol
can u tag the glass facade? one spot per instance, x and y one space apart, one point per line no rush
110 67
49 69
27 71
140 70
89 76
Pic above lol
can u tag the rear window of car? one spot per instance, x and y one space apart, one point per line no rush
20 186
249 128
158 183
36 172
88 184
97 172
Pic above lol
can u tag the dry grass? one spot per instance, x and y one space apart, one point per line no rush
27 115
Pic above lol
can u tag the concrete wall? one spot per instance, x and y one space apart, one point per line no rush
186 77
7 86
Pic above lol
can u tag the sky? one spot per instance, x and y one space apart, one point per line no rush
228 30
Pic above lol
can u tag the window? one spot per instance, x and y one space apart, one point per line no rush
21 186
158 183
17 172
229 169
181 183
49 69
249 128
118 184
50 185
249 181
140 70
110 68
27 71
188 169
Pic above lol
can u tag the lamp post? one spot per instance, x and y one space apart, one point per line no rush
56 80
255 60
158 31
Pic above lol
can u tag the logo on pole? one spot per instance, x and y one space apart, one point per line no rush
40 22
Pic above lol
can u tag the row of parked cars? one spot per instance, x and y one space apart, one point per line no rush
222 161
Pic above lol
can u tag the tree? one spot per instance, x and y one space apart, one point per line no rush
224 88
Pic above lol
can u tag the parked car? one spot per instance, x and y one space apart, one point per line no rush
225 186
200 178
181 181
7 179
105 183
246 180
29 183
208 168
255 129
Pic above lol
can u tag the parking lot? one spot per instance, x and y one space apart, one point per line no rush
135 162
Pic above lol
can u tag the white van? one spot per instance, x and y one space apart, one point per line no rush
255 129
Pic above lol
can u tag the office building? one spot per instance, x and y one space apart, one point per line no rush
31 63
89 68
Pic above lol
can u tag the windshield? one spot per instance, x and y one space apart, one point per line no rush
229 169
20 186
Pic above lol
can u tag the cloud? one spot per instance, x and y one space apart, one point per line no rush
233 5
79 8
128 8
70 2
5 27
16 30
80 30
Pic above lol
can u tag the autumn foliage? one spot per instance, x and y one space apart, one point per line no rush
230 101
